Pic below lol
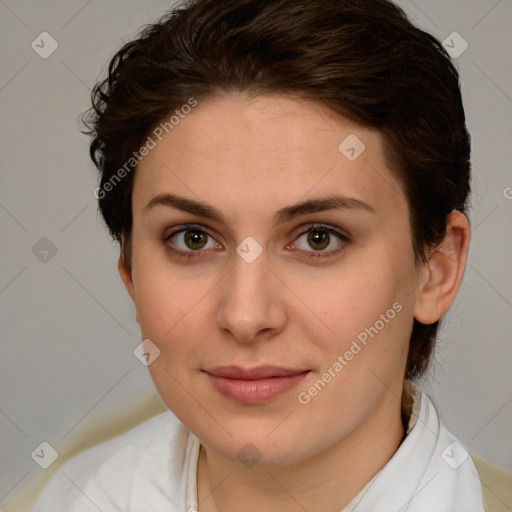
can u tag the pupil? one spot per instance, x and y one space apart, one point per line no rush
318 237
193 238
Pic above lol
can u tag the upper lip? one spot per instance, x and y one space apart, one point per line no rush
258 372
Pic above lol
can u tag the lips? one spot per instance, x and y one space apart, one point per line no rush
253 386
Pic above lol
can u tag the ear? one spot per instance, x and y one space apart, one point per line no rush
126 276
443 272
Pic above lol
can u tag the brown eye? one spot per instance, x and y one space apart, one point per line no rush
195 239
190 242
318 239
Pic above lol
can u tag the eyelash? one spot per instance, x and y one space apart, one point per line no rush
308 254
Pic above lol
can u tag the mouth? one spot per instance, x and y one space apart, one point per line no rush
254 386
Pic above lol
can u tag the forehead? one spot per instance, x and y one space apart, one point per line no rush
267 151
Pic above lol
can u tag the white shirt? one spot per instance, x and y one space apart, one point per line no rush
153 468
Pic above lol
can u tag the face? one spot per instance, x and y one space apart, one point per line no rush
280 326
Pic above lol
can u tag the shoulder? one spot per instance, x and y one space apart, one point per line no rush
124 452
450 468
497 483
105 475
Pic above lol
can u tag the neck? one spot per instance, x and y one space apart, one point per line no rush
326 481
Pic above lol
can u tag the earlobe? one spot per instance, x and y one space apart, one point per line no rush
126 276
443 271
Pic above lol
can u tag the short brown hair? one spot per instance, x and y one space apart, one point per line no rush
361 58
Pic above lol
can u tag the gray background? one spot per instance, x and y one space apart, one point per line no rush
68 330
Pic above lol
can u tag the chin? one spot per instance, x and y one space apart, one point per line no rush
252 445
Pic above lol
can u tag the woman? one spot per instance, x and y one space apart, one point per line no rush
287 181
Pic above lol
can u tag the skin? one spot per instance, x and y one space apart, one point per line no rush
248 158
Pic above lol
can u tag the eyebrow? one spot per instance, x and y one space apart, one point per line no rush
283 215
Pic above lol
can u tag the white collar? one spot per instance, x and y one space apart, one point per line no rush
430 471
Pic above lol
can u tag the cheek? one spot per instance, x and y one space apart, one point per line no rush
166 308
160 296
370 314
356 299
172 310
369 305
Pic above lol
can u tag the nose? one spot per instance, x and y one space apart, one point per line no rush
251 306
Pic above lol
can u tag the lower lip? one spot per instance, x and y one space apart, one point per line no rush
255 391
